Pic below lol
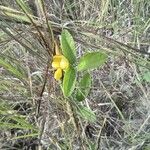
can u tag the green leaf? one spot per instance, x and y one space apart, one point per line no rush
91 61
84 87
69 81
68 46
87 114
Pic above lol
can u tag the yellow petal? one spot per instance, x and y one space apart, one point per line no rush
64 64
55 64
56 61
58 74
59 61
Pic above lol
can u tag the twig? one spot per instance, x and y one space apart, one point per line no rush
49 27
43 88
40 33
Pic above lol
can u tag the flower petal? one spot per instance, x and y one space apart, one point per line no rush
58 74
56 61
55 64
64 64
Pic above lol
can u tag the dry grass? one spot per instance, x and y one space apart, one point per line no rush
121 89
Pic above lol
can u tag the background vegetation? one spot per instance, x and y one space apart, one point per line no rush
33 111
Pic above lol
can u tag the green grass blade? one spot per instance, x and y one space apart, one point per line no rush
8 12
11 69
24 6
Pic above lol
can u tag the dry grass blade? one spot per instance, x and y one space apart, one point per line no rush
10 13
33 111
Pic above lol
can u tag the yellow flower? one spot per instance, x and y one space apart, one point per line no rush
59 63
58 74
